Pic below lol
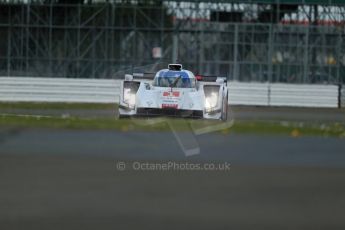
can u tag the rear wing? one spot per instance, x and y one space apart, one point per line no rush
139 76
211 78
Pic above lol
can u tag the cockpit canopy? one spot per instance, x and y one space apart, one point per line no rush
176 79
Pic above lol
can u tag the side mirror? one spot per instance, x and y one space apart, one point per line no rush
128 77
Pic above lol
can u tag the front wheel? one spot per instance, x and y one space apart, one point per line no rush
224 116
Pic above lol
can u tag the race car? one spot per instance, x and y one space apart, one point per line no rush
174 92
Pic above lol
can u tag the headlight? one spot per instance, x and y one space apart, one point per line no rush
211 101
129 97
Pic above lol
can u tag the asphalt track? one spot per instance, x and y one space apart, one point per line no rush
235 112
69 180
239 149
63 179
88 193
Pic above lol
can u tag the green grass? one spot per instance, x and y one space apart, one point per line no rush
54 105
124 125
294 129
127 125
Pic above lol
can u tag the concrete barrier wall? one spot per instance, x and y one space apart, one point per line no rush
304 95
18 89
58 90
248 93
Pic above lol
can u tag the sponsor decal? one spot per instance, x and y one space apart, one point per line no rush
171 99
171 94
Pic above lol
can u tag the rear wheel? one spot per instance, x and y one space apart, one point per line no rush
224 116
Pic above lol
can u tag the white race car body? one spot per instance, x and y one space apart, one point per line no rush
174 92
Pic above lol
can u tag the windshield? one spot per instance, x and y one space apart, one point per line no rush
168 82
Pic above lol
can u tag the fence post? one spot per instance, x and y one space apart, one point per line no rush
270 52
9 31
306 57
235 63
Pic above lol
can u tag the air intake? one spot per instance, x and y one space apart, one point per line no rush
175 67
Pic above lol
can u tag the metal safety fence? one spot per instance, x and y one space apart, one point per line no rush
303 44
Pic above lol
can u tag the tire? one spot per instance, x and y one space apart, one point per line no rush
224 116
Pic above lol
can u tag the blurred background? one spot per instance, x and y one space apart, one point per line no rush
248 40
